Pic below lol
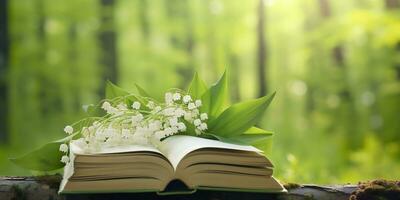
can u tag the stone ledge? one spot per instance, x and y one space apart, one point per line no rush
45 187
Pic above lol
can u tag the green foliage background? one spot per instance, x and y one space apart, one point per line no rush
333 122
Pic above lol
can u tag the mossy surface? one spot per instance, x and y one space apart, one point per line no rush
53 181
289 186
18 193
377 190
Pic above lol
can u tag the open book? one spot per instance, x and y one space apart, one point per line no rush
191 162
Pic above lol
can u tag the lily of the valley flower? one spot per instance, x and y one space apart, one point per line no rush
136 105
186 99
69 129
129 125
197 122
64 148
191 106
203 116
177 97
65 159
197 103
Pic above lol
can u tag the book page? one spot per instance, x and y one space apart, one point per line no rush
76 149
178 146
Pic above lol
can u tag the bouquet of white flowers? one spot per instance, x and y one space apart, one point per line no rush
125 118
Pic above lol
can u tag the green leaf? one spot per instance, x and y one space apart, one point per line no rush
113 91
236 119
197 87
92 110
45 158
209 136
256 130
214 98
264 144
145 97
141 91
251 136
222 138
190 128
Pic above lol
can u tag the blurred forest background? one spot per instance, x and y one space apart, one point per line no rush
335 65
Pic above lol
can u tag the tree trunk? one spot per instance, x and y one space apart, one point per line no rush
393 5
179 11
310 103
107 40
42 79
189 44
4 51
337 54
143 20
262 51
235 77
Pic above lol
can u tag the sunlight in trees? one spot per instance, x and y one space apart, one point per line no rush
334 64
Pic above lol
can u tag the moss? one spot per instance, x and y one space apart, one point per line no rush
18 193
377 189
53 181
289 186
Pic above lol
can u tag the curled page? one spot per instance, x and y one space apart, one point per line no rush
178 146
